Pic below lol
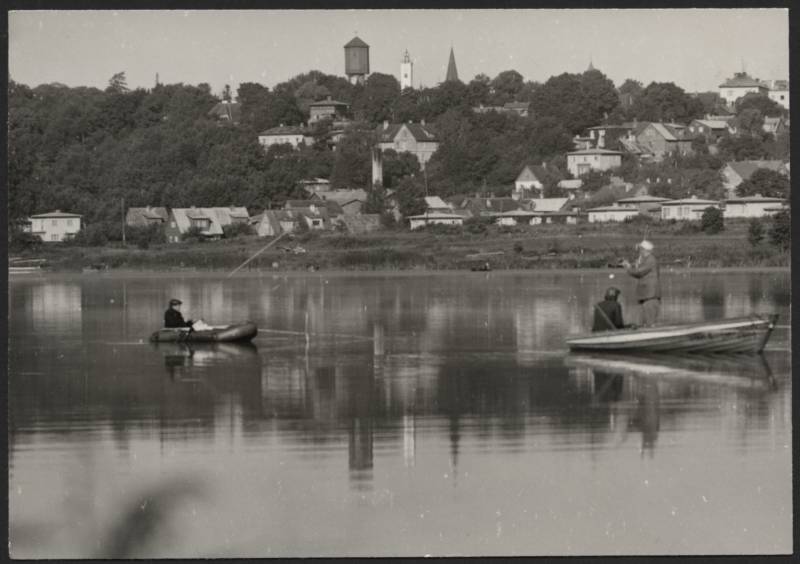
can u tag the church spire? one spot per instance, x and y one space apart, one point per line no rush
591 66
452 72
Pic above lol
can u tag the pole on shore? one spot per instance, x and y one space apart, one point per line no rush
122 205
267 246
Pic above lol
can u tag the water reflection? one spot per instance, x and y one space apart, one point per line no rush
453 393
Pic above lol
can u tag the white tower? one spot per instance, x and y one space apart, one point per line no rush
406 72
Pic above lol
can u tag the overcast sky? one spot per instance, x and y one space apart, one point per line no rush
696 49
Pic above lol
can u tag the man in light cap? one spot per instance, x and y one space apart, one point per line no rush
648 282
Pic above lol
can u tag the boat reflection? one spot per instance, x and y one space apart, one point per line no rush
181 359
632 386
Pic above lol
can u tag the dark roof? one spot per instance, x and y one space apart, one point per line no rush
356 42
57 213
419 132
285 130
226 110
328 102
594 152
742 80
745 169
452 72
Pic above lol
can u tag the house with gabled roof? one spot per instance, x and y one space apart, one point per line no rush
226 111
147 216
209 221
530 182
736 172
342 202
414 138
711 129
662 139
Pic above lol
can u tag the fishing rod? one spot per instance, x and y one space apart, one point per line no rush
267 246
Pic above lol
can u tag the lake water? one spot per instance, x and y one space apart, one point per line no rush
388 414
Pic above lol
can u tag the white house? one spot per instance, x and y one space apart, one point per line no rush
55 226
647 204
284 134
779 92
751 206
529 179
571 186
605 214
434 218
740 85
581 162
515 217
687 208
414 138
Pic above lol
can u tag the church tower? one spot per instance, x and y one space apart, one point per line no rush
406 72
452 72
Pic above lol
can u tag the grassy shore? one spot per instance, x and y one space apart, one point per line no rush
528 247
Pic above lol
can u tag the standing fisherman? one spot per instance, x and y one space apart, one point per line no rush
648 282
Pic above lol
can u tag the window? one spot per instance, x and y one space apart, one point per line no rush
69 223
54 237
54 222
172 224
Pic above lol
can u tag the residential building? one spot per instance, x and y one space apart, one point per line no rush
548 205
774 125
351 202
315 213
56 226
647 205
608 136
613 213
515 217
752 206
145 217
434 218
581 162
740 85
572 187
736 172
227 111
210 221
779 92
712 130
687 208
529 181
436 204
270 223
520 108
313 185
293 135
662 139
326 109
414 138
476 206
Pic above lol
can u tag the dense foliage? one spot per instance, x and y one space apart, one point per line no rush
711 221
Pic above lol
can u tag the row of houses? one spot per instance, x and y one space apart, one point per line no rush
510 212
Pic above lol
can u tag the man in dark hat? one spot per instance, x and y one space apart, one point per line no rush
608 313
173 316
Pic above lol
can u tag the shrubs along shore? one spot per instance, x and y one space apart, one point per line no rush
437 248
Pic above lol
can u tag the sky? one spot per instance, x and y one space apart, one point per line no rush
697 49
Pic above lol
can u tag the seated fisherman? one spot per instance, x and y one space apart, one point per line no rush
608 313
173 316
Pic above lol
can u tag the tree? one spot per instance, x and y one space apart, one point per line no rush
664 101
506 87
765 182
749 121
410 196
376 201
478 90
755 232
711 221
352 164
780 233
576 101
763 104
117 83
742 148
374 102
397 166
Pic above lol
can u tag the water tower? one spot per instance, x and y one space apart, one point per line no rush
356 60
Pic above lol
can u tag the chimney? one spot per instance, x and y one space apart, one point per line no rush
385 125
422 122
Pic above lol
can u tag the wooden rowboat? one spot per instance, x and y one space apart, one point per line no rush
736 335
237 333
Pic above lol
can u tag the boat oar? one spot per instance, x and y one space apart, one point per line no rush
267 246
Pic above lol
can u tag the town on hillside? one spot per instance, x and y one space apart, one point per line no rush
366 152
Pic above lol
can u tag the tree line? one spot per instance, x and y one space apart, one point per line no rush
85 149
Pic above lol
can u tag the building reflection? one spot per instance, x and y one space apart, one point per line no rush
57 307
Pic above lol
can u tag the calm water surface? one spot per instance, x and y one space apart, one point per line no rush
388 415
